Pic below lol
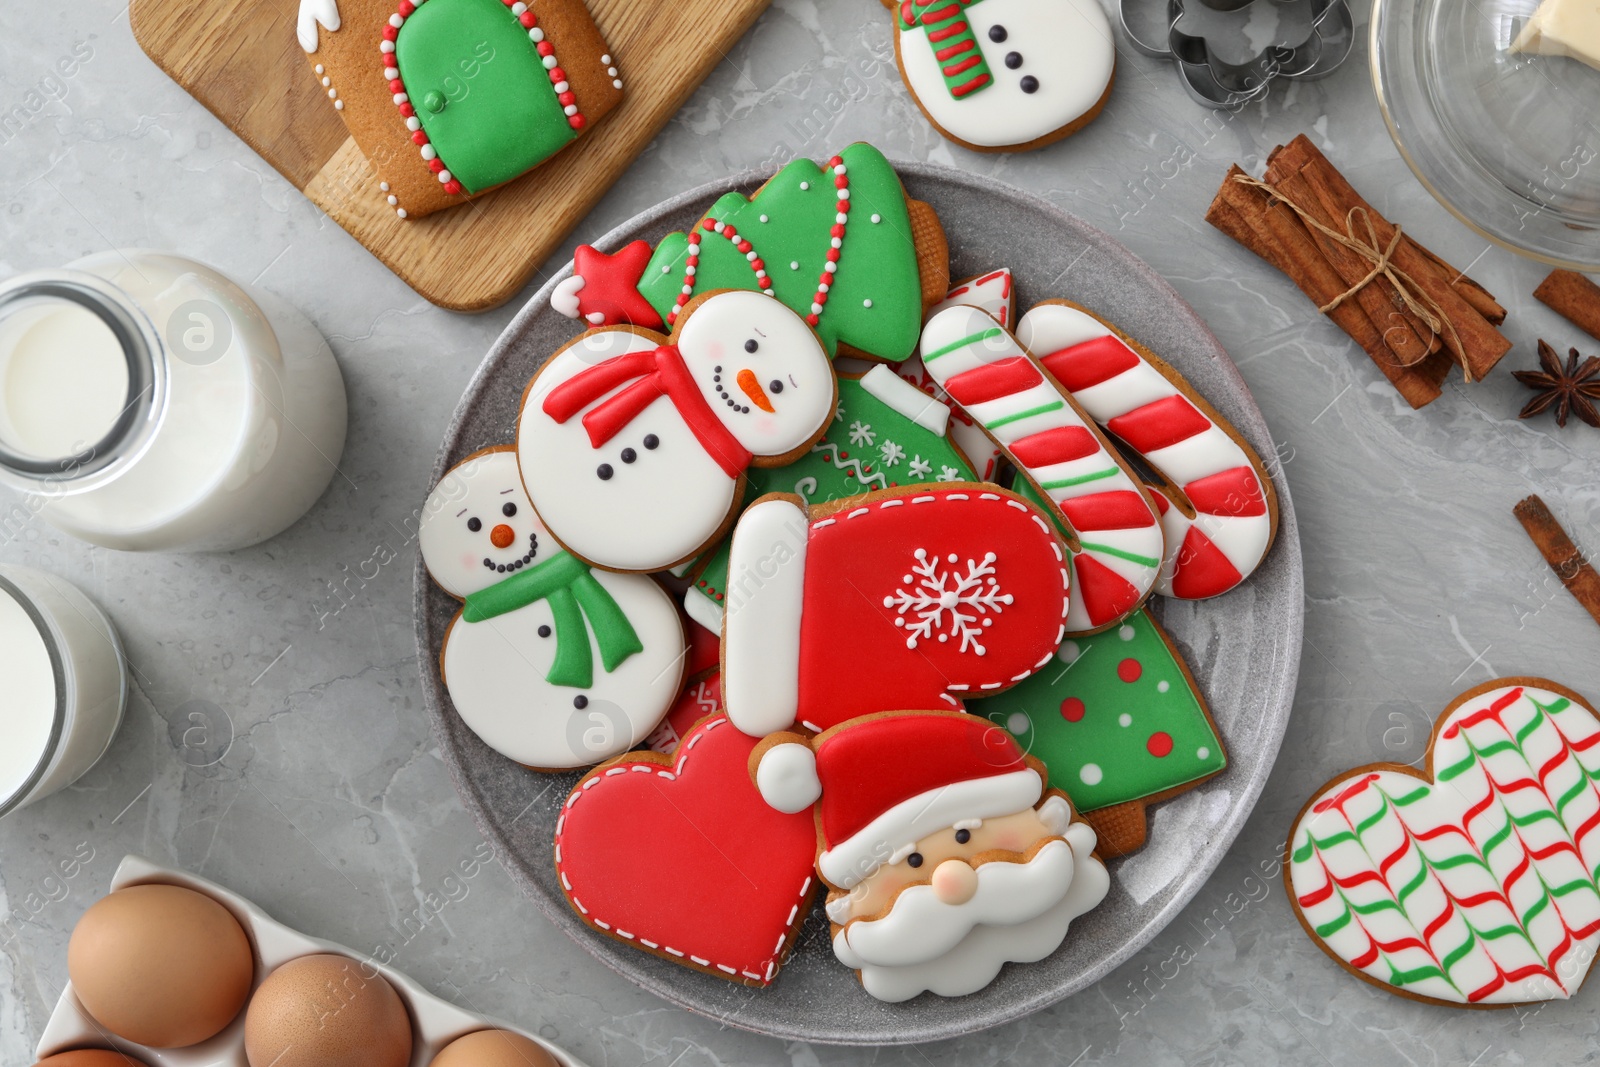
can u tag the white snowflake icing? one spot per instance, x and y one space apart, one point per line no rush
861 433
920 468
892 453
946 603
949 474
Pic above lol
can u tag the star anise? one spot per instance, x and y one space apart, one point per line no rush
1572 389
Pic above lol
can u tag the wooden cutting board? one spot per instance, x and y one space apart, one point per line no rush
243 63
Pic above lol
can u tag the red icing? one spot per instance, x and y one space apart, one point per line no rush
1072 709
994 380
1160 744
1106 595
697 701
1119 509
1201 569
1129 670
610 285
698 864
1159 423
1230 492
705 647
1060 444
1090 363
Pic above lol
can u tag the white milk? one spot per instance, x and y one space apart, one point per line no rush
63 685
63 380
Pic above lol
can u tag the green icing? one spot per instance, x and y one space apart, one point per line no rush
877 261
852 457
1071 715
501 116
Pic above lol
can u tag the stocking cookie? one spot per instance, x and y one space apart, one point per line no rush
451 98
904 598
944 856
551 663
634 447
1117 543
1471 883
1005 75
1219 509
840 244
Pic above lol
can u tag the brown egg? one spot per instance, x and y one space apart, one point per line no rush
493 1048
326 1011
160 965
89 1057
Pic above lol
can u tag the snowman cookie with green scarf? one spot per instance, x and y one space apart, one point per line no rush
551 662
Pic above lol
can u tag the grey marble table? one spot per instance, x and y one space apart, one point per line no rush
276 741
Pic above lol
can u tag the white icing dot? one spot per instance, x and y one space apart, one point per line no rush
1126 633
320 68
1203 752
1091 774
606 59
384 186
393 200
666 269
616 83
1124 719
763 218
1069 652
805 185
1017 723
401 212
327 82
866 303
1162 687
876 217
338 105
794 264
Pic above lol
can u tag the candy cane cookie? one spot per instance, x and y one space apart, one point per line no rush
1116 543
1219 509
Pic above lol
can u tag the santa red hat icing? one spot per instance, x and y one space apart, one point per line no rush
887 781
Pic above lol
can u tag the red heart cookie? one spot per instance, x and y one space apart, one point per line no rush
681 857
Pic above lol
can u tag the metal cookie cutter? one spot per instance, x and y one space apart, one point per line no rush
1217 83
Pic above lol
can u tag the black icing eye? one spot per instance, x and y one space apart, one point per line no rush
580 701
963 836
604 472
474 524
651 441
1013 60
629 455
775 386
915 859
544 631
1029 84
750 345
997 34
509 510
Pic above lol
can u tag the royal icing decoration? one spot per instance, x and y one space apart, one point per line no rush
945 857
679 856
835 243
1475 883
1117 555
1001 73
633 447
314 13
884 434
1148 406
1118 722
945 593
699 700
551 663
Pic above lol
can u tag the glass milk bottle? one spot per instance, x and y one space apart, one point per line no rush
63 685
147 402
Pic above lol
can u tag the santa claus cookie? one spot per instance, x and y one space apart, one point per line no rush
841 244
944 856
451 98
634 447
1473 882
1116 543
1005 75
903 598
1219 511
550 662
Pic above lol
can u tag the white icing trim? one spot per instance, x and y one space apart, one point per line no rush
313 12
761 625
787 777
700 608
907 399
565 297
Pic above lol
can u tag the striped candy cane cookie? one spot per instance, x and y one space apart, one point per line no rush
1117 544
1218 507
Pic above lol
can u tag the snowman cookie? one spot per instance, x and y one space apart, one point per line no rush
633 446
1005 75
550 662
451 98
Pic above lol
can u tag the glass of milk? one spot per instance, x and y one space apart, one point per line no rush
63 685
147 402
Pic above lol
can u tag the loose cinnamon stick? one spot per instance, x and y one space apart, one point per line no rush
1573 297
1563 556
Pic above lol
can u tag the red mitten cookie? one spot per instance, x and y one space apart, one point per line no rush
900 599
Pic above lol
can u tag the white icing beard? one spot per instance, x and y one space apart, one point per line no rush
1065 44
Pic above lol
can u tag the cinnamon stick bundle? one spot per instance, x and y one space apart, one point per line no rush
1410 311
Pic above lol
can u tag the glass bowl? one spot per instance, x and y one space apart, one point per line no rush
1508 142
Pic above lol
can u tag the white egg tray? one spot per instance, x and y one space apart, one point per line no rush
434 1022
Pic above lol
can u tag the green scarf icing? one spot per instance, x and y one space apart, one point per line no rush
580 605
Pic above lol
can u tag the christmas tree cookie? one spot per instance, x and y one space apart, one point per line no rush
885 433
840 243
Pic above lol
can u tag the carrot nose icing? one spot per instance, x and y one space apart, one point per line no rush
752 389
502 536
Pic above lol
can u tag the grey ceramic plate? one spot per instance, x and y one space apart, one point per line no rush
1244 648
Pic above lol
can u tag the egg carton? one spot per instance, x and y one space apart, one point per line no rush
434 1022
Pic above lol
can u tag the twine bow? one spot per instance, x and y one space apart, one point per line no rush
1412 295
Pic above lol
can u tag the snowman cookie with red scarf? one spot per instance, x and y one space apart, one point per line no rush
633 446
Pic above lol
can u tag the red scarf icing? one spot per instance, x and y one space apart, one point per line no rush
655 373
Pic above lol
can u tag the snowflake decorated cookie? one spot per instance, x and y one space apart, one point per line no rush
841 244
1005 75
634 446
884 434
451 98
1471 883
916 597
944 855
552 663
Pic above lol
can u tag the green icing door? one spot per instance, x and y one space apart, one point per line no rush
481 90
